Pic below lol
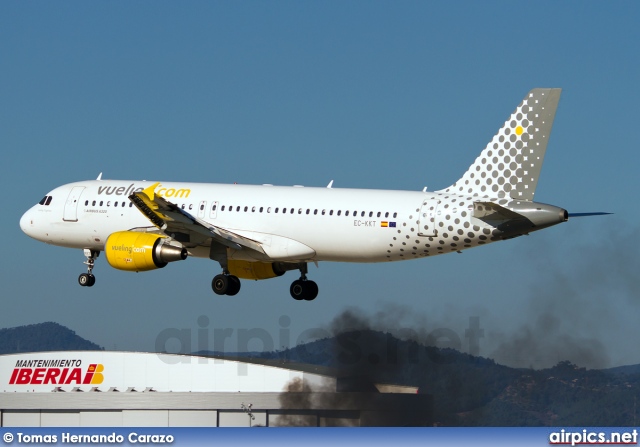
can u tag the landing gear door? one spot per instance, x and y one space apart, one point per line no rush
428 218
70 213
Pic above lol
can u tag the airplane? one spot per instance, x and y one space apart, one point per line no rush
259 232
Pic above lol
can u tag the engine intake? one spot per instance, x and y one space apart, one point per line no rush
138 252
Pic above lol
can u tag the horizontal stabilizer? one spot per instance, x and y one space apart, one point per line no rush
493 211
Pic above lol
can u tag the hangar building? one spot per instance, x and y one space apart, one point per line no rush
134 389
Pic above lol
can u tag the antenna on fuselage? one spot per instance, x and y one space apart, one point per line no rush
330 184
99 176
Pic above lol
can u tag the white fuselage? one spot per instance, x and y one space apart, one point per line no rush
349 225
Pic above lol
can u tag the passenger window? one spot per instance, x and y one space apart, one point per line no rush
191 206
109 203
395 215
213 208
86 203
331 213
315 212
362 214
202 207
276 210
261 208
370 213
346 213
93 203
292 211
115 204
253 209
268 209
246 208
299 210
101 202
130 204
339 211
386 214
222 209
308 210
379 213
238 208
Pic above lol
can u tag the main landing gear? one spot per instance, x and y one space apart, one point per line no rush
225 284
87 279
303 288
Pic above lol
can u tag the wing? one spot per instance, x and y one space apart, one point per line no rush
172 219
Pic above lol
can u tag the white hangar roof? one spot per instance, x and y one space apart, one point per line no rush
142 371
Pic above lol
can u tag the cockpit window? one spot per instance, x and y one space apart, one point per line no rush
46 200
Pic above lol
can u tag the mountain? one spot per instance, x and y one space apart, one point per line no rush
474 391
43 337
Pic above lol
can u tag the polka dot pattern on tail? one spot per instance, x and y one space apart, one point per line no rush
510 164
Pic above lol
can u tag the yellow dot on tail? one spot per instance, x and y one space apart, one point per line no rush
519 130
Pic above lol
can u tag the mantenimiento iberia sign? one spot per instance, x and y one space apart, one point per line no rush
56 372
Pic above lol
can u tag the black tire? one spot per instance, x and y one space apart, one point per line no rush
234 285
84 279
92 280
220 284
297 290
311 291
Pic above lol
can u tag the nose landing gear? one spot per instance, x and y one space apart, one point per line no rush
88 279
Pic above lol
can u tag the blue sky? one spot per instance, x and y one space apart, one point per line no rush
389 95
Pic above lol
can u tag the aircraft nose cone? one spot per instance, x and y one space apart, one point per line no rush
27 223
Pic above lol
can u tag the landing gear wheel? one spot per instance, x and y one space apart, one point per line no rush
312 290
225 285
86 279
234 285
303 290
297 290
220 284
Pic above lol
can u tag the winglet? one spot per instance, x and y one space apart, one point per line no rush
150 191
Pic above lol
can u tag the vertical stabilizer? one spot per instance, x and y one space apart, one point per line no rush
510 164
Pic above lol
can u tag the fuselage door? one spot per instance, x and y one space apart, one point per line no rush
428 218
70 213
213 210
202 209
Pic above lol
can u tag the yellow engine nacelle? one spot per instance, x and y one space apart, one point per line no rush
254 270
138 252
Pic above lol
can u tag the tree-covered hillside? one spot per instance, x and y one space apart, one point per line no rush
42 337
